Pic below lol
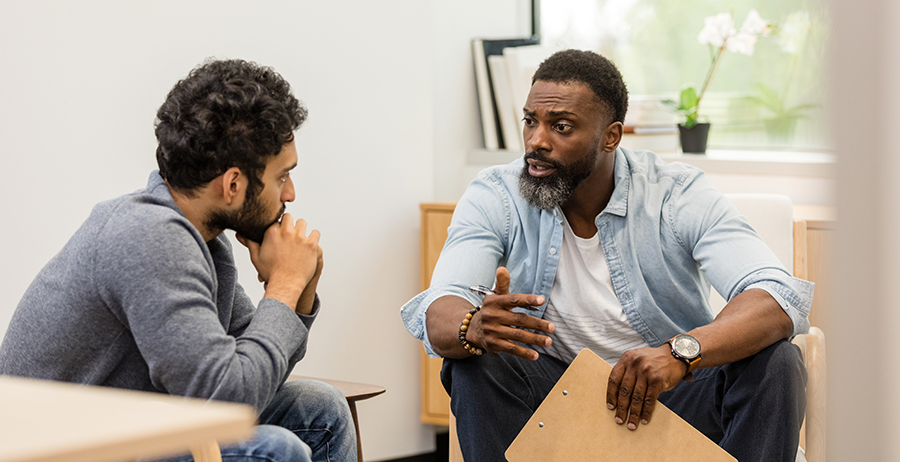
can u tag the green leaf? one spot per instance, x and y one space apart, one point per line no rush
670 104
689 99
772 106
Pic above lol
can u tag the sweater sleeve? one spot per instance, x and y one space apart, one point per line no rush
242 314
160 276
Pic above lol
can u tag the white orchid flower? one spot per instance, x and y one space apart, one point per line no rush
794 31
717 29
741 43
745 39
718 32
755 25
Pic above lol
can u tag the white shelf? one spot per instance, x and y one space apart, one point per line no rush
740 162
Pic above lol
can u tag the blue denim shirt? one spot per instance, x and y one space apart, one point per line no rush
666 232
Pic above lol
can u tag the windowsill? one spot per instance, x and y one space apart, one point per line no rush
740 162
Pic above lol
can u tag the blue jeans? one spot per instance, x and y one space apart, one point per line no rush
752 408
306 421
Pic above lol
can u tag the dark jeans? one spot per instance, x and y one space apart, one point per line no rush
752 408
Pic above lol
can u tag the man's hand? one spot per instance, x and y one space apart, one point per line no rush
637 380
287 260
308 297
494 328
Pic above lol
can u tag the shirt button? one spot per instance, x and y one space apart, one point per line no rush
552 250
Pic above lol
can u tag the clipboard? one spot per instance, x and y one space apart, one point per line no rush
573 424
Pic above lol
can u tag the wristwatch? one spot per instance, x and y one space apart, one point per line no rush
686 348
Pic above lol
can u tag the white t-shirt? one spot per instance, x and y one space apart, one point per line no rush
583 304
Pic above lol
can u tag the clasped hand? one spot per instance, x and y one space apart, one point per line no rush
287 260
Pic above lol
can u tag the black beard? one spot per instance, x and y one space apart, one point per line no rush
250 221
551 191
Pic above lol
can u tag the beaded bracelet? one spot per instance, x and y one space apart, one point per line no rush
472 349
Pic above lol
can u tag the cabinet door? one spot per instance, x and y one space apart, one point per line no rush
435 402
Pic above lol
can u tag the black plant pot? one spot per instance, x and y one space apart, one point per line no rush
693 140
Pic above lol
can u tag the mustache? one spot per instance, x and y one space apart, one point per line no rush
540 157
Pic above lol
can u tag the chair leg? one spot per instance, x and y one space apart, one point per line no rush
207 452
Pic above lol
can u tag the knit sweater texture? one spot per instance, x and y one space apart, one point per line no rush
137 300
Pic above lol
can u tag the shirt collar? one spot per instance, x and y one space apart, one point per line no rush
618 202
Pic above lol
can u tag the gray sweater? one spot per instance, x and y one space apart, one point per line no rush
136 299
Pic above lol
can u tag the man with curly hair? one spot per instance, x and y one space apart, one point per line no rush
145 295
590 245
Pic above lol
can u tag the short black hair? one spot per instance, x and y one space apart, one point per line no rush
225 113
591 69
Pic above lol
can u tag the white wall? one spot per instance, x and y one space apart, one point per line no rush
392 104
457 126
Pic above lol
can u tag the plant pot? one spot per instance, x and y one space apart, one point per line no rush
693 140
780 129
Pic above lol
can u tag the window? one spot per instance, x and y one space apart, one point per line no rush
774 99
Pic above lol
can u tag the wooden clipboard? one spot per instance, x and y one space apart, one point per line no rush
573 424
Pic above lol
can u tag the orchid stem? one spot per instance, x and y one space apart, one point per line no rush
712 71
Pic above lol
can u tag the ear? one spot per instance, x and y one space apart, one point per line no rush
612 136
233 183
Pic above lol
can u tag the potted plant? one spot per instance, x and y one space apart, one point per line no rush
720 35
781 124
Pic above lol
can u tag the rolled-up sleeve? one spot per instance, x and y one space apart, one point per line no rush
731 253
474 247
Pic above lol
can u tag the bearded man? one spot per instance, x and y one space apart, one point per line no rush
590 245
145 295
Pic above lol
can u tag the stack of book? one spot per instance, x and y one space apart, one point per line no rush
503 71
649 125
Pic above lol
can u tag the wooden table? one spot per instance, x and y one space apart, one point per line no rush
61 422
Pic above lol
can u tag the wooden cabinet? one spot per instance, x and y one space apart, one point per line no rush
435 402
812 241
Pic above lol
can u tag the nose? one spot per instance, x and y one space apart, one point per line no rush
536 137
287 193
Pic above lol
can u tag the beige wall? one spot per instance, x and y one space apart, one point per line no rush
863 402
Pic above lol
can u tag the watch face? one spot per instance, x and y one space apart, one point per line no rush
686 346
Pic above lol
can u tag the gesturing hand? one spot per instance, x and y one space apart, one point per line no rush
637 380
496 328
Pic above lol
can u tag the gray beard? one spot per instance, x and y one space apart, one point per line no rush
549 192
544 193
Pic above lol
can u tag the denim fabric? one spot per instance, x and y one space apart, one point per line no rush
752 408
666 232
306 421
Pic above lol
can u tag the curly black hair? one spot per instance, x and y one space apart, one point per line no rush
225 113
591 69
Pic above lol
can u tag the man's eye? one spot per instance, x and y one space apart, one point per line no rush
528 122
562 128
285 178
